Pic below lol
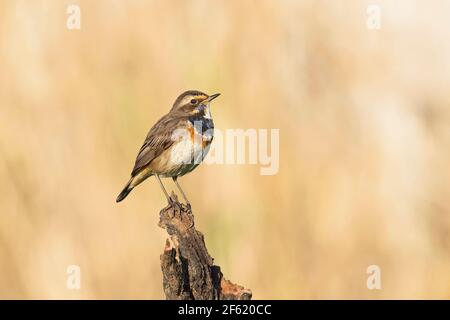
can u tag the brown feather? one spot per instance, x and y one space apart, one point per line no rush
157 141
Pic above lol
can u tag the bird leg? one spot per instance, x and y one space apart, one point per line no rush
188 205
169 199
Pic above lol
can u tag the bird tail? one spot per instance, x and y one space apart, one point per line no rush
125 192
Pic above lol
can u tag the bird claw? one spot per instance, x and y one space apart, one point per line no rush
187 208
173 204
187 211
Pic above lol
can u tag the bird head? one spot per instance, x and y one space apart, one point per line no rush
194 103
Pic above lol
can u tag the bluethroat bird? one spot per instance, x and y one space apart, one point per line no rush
176 144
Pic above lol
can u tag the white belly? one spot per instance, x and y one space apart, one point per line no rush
185 156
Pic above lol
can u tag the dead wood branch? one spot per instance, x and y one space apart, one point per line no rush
188 270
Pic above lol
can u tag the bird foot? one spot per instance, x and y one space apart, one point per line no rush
181 210
186 211
173 203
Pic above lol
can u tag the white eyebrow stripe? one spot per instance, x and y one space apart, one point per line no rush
188 99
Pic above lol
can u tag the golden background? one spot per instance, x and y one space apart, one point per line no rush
364 125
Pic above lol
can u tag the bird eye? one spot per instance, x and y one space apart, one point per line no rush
193 101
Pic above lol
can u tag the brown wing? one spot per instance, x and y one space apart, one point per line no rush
158 139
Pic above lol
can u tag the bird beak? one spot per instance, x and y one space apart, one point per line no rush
211 97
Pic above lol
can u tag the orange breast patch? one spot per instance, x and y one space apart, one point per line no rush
196 137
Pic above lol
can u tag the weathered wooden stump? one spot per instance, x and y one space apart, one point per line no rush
188 270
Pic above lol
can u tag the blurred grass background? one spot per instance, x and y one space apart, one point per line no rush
364 153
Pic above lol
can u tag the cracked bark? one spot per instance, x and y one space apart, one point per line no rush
188 270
